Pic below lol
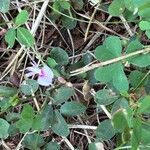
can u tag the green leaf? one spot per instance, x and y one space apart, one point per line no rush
113 45
25 37
52 145
110 49
96 146
51 62
105 97
12 116
129 5
4 126
4 5
67 22
63 94
116 8
60 56
33 141
29 87
22 17
105 130
26 119
43 119
5 104
144 13
120 80
10 37
121 103
13 130
136 133
144 25
147 85
145 135
147 33
7 91
103 54
142 60
119 120
139 3
59 125
78 5
135 78
57 6
72 108
64 4
105 74
144 105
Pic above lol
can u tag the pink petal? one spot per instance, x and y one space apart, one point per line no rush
45 76
48 72
44 81
34 69
29 74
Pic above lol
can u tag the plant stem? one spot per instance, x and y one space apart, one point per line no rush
111 61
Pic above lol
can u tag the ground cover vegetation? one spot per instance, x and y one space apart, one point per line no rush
74 74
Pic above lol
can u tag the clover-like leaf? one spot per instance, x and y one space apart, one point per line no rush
26 119
144 105
62 94
101 53
105 97
4 126
111 49
72 108
59 125
129 5
25 37
105 74
60 56
52 145
120 80
135 78
144 13
33 141
142 60
4 5
28 87
22 17
7 91
116 8
144 25
119 120
136 133
10 37
148 33
113 45
43 119
105 130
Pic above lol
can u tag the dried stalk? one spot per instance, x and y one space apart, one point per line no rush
111 61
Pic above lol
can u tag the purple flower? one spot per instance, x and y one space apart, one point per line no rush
45 74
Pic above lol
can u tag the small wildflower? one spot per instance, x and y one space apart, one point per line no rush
45 74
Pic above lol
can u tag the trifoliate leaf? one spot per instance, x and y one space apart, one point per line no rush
10 37
141 60
105 97
4 5
72 108
25 37
22 17
59 125
4 126
105 130
116 8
